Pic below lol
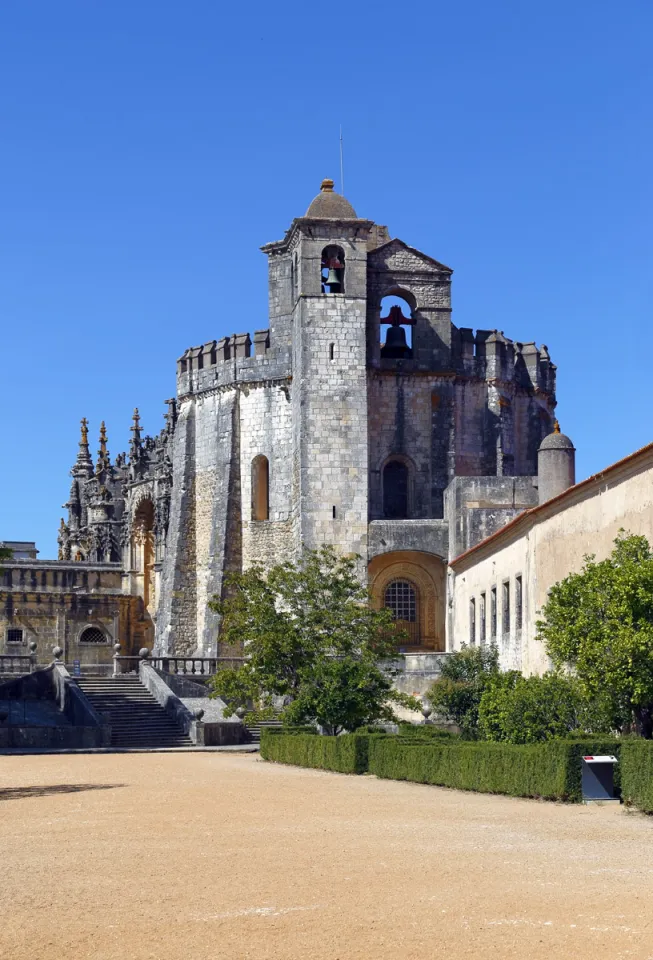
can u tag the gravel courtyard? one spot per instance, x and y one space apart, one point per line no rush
200 856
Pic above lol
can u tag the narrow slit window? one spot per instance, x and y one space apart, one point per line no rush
332 350
260 488
334 512
493 613
481 613
472 621
506 608
519 616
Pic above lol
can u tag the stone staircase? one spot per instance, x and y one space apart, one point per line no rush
137 720
256 728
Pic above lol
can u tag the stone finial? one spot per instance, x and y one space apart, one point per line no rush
32 646
327 185
84 431
57 652
426 710
116 649
198 713
240 712
143 653
556 426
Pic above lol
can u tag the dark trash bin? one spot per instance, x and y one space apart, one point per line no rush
598 778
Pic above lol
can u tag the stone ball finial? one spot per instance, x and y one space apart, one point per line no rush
240 712
143 653
32 646
198 713
56 652
117 648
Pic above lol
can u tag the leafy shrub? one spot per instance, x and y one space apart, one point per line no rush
636 763
550 770
457 692
518 709
344 754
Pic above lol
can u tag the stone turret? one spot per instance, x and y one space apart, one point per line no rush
556 465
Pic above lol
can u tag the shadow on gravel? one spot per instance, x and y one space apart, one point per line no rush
18 793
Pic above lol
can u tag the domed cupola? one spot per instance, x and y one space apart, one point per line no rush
329 205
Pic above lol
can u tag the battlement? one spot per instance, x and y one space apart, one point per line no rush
490 355
238 346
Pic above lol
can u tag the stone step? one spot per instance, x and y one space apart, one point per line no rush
135 716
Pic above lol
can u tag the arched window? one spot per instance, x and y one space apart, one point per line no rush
396 328
401 599
92 635
260 488
395 490
333 270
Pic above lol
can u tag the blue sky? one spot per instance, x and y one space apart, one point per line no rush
149 149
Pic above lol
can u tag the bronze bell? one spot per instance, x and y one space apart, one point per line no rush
395 345
332 280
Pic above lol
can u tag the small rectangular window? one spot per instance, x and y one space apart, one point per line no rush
472 621
493 613
505 624
14 635
481 614
518 603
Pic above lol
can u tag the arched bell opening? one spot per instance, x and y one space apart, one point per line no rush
396 322
411 584
333 269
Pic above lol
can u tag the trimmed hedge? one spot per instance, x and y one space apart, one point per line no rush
425 731
550 770
344 754
636 764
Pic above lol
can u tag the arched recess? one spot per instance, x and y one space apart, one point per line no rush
426 575
397 487
260 488
142 550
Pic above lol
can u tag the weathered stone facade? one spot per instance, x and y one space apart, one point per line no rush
80 607
318 431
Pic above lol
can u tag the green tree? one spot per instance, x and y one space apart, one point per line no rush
599 624
312 640
457 692
518 709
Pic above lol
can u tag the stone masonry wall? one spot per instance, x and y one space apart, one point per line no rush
266 429
333 415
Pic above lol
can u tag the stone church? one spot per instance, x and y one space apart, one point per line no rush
361 416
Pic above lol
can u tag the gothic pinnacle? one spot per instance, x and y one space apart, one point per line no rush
103 461
84 464
135 444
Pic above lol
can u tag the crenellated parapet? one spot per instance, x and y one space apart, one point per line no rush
490 355
223 362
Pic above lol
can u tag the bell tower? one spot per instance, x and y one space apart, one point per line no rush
326 289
